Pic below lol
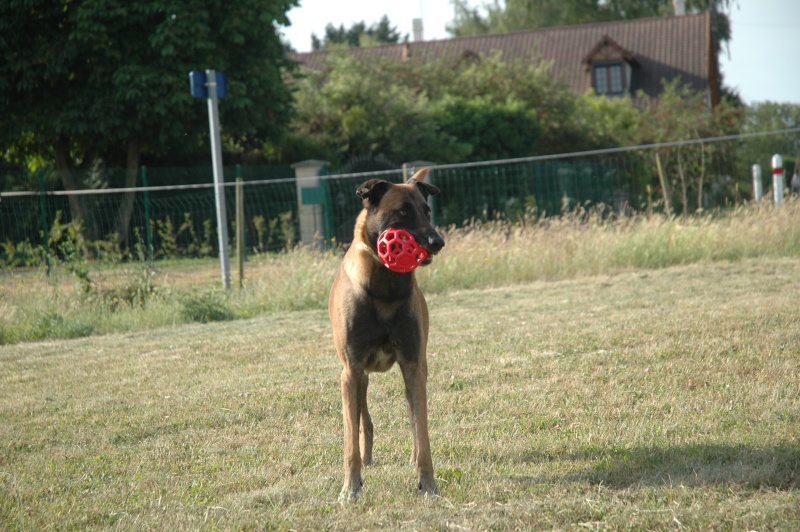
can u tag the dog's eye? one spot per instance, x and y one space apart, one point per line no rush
403 213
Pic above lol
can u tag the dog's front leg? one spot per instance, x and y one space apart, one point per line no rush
416 394
414 445
366 422
351 410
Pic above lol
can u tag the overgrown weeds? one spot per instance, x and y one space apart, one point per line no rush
589 242
101 298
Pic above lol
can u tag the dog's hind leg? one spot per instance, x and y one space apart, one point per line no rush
351 393
366 423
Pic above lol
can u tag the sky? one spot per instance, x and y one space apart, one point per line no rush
761 61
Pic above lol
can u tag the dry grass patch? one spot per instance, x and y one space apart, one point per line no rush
643 399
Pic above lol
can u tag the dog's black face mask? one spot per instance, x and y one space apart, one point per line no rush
401 207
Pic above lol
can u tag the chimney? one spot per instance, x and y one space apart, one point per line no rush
416 26
680 7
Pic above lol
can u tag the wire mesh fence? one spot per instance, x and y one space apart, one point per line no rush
170 212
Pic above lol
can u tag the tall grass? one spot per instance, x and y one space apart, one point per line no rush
587 243
478 255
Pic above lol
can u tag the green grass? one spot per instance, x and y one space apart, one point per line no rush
648 399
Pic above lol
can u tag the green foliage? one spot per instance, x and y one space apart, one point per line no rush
55 325
491 130
681 114
205 307
260 225
287 228
106 250
490 109
69 245
607 122
359 34
514 15
20 255
136 293
168 241
184 241
395 109
102 78
360 107
771 116
276 233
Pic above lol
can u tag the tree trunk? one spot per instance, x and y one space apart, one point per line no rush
702 174
126 207
684 187
64 168
662 178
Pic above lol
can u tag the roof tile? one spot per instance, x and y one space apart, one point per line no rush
663 48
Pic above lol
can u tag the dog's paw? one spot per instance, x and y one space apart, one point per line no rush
428 487
348 495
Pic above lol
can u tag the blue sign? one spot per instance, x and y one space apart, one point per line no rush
198 84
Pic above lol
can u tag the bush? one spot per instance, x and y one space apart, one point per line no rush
206 307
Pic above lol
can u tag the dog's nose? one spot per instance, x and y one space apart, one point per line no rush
435 243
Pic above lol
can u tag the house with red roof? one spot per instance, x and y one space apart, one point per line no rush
615 59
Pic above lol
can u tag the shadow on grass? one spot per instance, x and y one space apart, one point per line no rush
776 467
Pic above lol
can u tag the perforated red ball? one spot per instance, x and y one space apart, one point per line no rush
399 251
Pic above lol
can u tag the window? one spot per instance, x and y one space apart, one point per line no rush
609 79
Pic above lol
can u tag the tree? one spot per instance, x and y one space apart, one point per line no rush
357 35
436 110
771 116
513 15
357 108
492 130
91 79
681 114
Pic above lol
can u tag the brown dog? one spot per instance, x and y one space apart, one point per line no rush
379 317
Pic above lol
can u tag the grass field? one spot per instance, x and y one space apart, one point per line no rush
643 398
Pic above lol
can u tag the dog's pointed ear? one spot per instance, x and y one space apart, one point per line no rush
419 180
373 190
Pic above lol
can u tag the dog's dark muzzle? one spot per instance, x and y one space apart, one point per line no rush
434 244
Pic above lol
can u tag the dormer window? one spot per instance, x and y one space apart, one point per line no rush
610 67
609 79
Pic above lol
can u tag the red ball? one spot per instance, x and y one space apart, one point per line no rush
399 251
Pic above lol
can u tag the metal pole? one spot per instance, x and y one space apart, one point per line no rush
45 230
219 178
240 229
777 179
148 235
758 186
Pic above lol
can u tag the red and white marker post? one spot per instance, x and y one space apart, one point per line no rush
777 179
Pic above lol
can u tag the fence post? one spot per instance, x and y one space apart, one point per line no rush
311 201
240 225
758 186
45 230
148 239
777 179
